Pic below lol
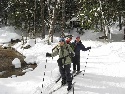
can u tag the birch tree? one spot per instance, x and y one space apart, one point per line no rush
52 14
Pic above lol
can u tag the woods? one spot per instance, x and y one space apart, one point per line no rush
41 16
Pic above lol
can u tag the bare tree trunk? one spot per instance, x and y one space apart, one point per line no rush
101 20
34 32
22 38
63 17
124 33
51 31
120 23
124 28
42 2
53 20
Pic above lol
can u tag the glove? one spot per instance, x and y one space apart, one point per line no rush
48 55
88 48
72 54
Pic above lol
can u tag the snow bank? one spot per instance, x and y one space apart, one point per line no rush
8 33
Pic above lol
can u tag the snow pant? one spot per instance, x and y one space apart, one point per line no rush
65 72
76 62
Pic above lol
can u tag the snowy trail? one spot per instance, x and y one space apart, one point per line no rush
63 90
103 75
104 71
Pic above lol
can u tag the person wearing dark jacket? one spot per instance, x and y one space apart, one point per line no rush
76 59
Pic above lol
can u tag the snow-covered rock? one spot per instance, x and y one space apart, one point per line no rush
27 70
30 59
16 62
5 46
13 76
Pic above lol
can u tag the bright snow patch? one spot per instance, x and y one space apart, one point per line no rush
16 62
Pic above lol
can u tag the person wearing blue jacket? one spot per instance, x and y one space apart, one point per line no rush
76 59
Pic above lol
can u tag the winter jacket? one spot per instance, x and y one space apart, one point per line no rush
71 44
63 52
79 46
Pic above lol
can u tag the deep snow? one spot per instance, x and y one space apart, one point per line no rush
104 71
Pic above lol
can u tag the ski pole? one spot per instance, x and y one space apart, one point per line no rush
44 75
86 62
73 90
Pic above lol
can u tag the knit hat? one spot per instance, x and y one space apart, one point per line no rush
70 36
61 40
77 37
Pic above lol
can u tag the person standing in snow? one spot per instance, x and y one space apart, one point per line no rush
69 39
76 59
64 62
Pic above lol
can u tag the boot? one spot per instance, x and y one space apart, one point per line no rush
69 86
74 71
63 82
78 72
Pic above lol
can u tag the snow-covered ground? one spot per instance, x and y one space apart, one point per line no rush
103 65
